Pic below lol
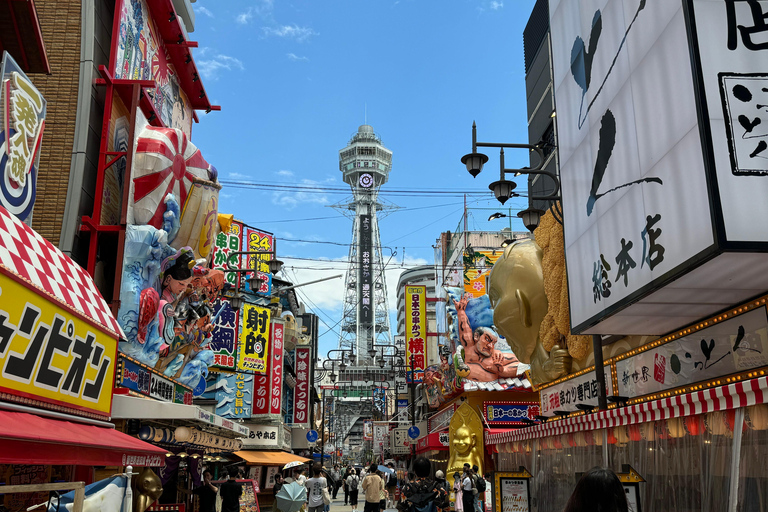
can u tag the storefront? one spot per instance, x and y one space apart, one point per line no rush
263 465
58 353
691 420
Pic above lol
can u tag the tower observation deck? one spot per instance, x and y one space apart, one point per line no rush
365 164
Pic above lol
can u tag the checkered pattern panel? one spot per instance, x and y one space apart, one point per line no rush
34 258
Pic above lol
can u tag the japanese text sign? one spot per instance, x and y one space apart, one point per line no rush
415 332
23 110
262 436
254 339
735 345
276 369
566 395
649 96
224 335
51 354
258 241
368 430
146 381
509 413
365 261
234 395
224 246
301 402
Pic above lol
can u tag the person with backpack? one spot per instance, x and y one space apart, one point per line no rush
347 472
476 481
353 481
423 494
468 490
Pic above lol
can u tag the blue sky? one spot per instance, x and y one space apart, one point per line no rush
296 79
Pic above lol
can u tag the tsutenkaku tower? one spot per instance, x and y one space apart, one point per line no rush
365 164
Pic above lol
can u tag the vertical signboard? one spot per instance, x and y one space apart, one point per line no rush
365 261
254 339
224 246
415 331
21 135
301 401
276 369
259 241
380 399
367 430
234 395
224 334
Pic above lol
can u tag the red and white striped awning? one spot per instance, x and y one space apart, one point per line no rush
720 398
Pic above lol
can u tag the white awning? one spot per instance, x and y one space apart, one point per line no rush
130 407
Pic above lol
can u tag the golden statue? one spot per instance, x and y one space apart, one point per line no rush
147 488
466 440
519 302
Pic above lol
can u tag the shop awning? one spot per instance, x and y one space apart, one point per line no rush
127 407
436 441
30 439
269 458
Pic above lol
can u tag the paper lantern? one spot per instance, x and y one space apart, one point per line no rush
730 420
675 427
597 437
621 433
648 431
182 434
557 442
527 447
694 425
580 439
146 432
611 438
756 417
716 424
569 438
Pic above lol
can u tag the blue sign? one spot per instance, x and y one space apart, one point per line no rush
402 403
413 432
506 413
234 395
200 388
312 436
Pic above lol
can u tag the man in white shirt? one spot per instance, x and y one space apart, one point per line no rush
467 496
315 486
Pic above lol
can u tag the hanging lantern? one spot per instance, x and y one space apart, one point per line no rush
557 442
730 420
756 417
621 434
597 437
146 432
182 434
716 425
527 447
611 438
634 432
694 425
675 427
648 431
660 429
580 439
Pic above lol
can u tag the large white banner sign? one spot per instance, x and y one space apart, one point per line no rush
651 191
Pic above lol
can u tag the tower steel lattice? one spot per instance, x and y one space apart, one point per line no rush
365 164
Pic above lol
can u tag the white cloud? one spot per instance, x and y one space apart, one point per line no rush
295 32
237 176
293 56
216 65
292 199
244 17
496 5
205 11
326 295
285 173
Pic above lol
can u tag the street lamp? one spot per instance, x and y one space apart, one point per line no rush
503 188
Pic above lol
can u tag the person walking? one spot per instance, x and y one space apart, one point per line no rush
347 472
423 494
441 483
336 476
391 485
353 482
372 486
478 492
315 486
599 489
230 492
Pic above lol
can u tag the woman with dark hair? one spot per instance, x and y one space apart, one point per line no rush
599 490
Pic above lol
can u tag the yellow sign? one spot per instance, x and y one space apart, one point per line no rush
254 339
51 354
415 332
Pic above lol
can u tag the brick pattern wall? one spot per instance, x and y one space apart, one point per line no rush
60 23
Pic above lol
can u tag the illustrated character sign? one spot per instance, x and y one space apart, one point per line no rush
466 439
481 361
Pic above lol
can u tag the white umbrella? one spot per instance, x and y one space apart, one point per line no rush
293 464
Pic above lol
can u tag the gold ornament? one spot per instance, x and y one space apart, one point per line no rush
466 440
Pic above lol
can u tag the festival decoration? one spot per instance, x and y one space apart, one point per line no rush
199 219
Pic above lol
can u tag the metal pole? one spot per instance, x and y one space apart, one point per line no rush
597 348
322 431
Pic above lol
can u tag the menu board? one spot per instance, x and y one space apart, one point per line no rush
514 495
248 501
